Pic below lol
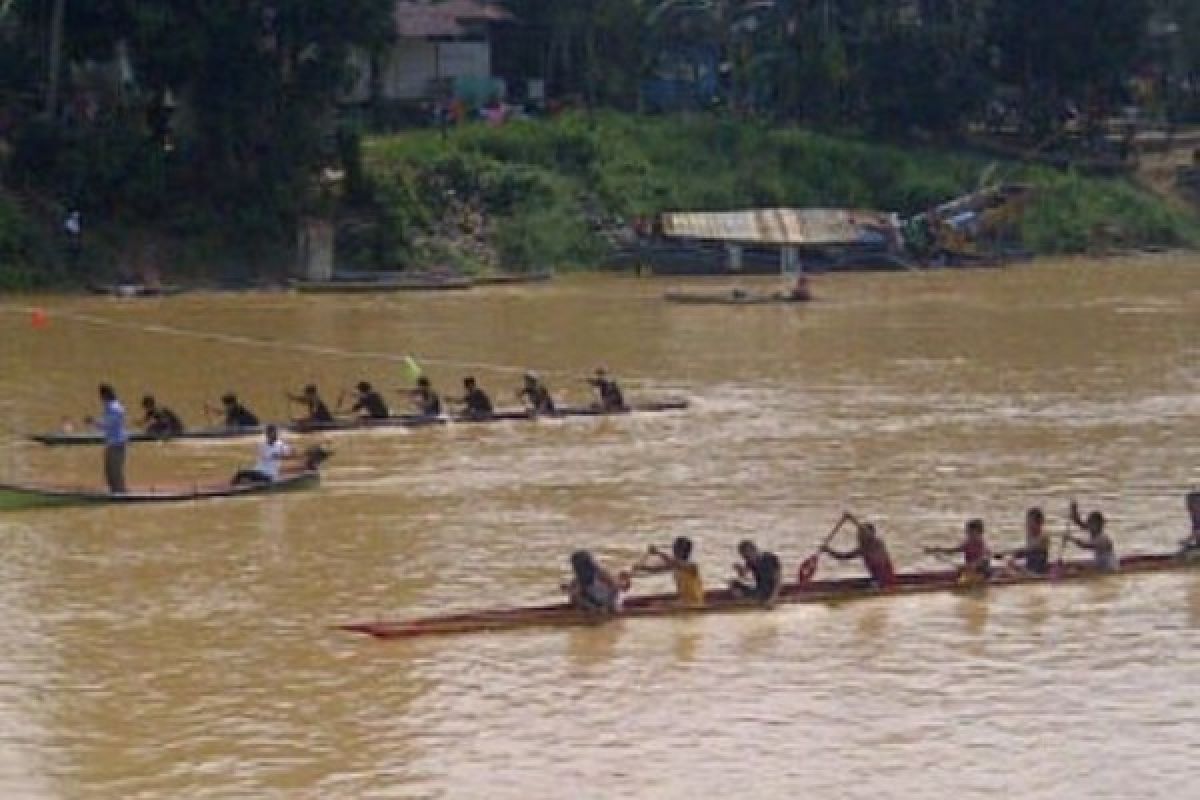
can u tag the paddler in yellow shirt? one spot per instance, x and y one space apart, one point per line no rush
688 584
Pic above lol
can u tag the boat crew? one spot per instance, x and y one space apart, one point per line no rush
369 403
872 550
535 395
160 421
272 452
317 412
759 576
236 414
608 391
426 400
977 558
1035 554
592 588
1191 545
112 425
1099 542
689 587
475 401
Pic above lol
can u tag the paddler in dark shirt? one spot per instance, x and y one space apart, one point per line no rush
608 391
475 401
236 414
318 413
871 550
535 395
160 421
1034 556
1191 545
369 403
426 400
759 576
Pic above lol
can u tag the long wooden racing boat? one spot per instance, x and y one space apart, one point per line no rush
19 496
736 297
346 425
721 601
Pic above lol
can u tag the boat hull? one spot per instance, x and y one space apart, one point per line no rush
398 421
721 601
16 497
735 298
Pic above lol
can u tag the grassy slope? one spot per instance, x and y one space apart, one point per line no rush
544 184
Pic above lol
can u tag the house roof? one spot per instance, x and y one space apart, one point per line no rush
421 18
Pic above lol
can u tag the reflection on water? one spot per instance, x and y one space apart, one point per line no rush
186 651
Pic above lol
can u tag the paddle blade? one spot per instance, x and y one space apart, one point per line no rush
807 569
412 369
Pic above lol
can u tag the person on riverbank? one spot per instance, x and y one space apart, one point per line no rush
872 550
475 401
112 425
607 391
369 403
534 394
160 421
1099 542
427 402
1034 556
272 452
316 412
592 588
1191 545
759 575
236 414
689 587
977 558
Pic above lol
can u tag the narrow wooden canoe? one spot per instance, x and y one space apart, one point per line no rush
14 497
134 290
345 425
415 284
721 601
735 297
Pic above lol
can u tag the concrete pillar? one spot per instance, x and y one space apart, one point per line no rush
314 249
735 257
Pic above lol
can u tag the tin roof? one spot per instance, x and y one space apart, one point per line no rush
423 18
780 226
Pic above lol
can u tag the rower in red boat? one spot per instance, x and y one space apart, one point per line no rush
1191 545
593 588
871 549
1099 542
1034 557
977 558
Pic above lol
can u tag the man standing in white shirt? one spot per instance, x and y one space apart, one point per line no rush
271 455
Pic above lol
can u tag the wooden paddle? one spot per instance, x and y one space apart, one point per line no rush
808 567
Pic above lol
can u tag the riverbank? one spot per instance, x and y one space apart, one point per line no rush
557 194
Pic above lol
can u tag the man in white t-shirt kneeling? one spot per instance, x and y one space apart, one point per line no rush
271 455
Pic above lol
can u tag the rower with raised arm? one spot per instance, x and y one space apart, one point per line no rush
535 395
1034 556
236 414
689 587
1099 542
475 401
759 575
369 403
871 549
1191 545
592 588
160 421
977 558
607 391
317 413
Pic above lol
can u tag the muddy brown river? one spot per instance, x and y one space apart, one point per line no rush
186 650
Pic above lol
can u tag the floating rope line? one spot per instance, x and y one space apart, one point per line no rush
298 347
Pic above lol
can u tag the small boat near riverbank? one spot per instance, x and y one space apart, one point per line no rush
737 297
362 283
93 438
22 496
135 289
721 601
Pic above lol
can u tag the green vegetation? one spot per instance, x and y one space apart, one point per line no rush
550 189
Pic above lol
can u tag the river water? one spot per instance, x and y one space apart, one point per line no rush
186 651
